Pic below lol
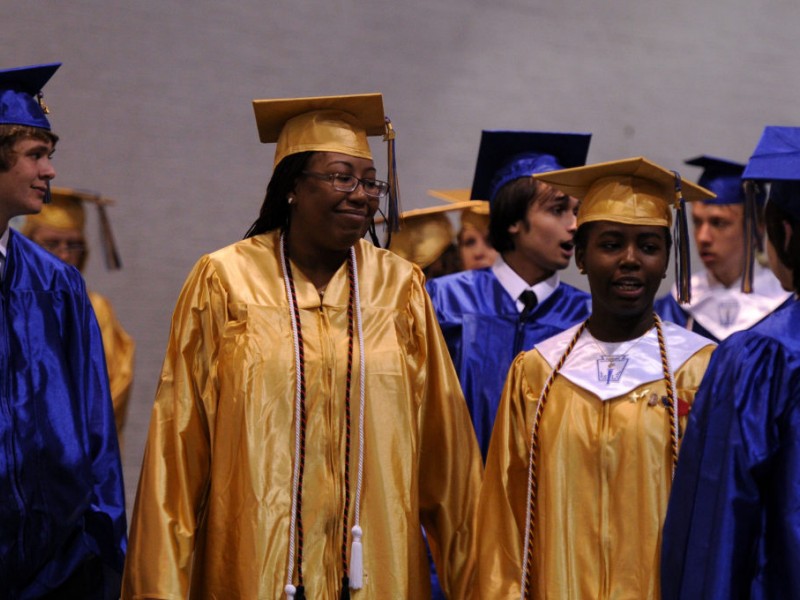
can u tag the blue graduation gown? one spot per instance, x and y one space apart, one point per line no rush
62 503
484 332
733 521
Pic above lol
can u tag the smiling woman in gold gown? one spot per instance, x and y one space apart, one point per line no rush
308 419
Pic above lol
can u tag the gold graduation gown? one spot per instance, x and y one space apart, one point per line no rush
212 513
119 351
604 475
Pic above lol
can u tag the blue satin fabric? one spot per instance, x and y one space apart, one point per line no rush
669 310
61 492
484 333
733 522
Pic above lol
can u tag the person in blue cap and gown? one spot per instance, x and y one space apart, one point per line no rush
489 315
718 306
62 503
733 521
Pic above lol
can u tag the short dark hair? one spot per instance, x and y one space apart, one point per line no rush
774 217
274 213
510 206
10 134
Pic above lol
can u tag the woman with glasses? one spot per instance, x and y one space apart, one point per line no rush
587 434
308 421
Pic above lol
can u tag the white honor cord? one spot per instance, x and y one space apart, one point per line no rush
290 588
356 576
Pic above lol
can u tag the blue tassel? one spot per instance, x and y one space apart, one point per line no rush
750 236
393 209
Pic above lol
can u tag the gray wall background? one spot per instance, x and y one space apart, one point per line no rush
153 105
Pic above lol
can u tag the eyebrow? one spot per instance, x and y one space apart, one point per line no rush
347 164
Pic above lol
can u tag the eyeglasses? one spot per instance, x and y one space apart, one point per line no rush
348 183
55 246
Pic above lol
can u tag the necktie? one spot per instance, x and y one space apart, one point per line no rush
529 301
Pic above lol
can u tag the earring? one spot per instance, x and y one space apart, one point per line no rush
290 200
581 270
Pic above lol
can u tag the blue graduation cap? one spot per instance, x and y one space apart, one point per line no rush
21 95
504 156
777 155
723 177
777 159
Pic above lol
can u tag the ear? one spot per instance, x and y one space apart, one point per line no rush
579 262
515 228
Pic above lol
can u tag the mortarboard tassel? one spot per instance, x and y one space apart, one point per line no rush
393 210
345 595
750 236
48 195
683 269
107 237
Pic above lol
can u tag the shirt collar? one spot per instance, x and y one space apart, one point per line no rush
515 285
4 242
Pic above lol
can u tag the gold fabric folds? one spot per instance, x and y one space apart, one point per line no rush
119 351
212 513
604 475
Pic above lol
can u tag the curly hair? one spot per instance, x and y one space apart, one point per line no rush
11 134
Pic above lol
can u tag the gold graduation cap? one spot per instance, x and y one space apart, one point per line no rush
66 211
329 124
476 216
634 191
425 233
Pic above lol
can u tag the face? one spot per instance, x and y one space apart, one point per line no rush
625 265
475 250
67 244
326 219
718 235
23 186
545 237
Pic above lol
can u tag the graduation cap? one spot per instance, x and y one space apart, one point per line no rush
723 177
66 211
776 159
504 156
634 191
21 95
425 233
329 124
476 215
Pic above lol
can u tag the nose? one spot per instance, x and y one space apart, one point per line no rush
702 234
47 171
630 257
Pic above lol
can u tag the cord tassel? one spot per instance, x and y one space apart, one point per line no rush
356 561
683 269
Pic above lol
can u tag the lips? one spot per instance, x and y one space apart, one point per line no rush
628 286
567 247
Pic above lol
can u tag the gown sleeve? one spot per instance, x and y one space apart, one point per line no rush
449 459
175 471
119 350
501 509
740 457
